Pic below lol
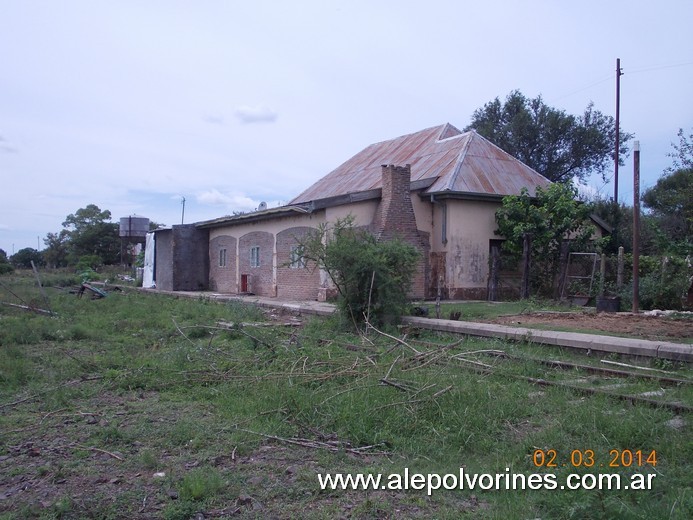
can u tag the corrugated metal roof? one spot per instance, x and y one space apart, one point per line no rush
253 216
453 160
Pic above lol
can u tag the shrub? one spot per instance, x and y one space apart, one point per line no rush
88 262
372 278
663 283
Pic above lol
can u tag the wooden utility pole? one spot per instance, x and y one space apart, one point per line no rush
636 226
619 73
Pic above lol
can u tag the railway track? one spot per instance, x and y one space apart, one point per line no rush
627 383
632 385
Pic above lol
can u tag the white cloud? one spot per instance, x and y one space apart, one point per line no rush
235 201
258 114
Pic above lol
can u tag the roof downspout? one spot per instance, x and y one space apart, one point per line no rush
444 219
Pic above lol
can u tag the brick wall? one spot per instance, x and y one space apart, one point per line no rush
190 258
395 218
295 283
261 278
223 278
182 259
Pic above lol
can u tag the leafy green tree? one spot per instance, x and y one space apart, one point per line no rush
652 239
24 257
57 249
671 204
5 266
550 218
91 233
683 153
560 146
372 278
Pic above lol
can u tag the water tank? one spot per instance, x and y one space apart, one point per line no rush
134 227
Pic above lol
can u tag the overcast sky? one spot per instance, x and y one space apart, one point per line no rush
132 105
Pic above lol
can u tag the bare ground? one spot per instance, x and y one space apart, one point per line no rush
676 328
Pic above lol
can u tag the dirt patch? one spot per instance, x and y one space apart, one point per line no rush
656 328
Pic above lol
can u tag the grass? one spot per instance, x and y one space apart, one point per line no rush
137 406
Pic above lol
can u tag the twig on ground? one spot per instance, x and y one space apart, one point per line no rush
307 443
38 394
99 450
181 332
396 385
398 340
392 366
28 308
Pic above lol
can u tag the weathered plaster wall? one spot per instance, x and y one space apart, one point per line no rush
163 266
470 227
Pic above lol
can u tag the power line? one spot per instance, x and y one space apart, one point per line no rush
604 79
586 87
660 67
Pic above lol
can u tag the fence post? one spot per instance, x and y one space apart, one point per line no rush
602 274
526 258
619 269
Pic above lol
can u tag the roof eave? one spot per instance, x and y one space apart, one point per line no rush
461 195
257 216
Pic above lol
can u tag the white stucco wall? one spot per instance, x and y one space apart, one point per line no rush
470 227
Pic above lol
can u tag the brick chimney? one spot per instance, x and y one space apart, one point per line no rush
395 218
395 214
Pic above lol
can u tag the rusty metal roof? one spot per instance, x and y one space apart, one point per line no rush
451 160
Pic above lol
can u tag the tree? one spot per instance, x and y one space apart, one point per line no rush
372 278
670 202
672 206
652 240
557 145
5 266
56 252
683 153
549 219
24 257
91 233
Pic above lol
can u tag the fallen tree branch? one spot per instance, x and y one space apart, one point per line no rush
307 443
99 450
399 341
393 384
28 308
38 394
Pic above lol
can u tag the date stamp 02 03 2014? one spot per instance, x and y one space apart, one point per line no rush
550 458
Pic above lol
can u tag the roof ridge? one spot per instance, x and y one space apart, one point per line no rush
449 132
460 159
441 126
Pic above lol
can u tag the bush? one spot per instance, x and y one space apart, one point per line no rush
664 283
88 262
372 278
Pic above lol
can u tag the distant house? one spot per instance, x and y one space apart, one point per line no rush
438 189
